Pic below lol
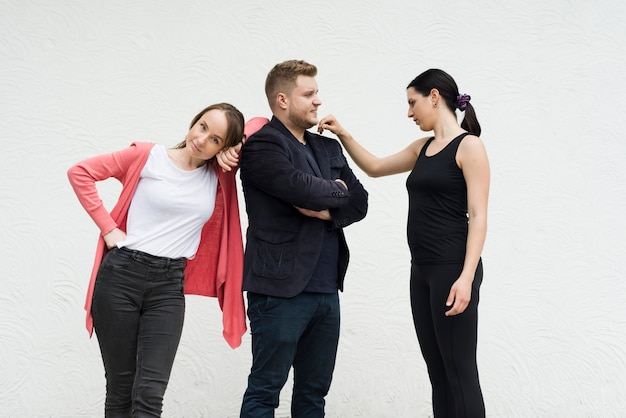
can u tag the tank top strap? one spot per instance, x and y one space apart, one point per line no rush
459 138
423 150
456 142
452 147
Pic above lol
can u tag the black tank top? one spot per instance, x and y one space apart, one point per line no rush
437 224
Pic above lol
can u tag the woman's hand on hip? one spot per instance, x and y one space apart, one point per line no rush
114 236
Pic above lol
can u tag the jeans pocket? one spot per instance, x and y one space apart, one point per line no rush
177 276
259 305
116 260
256 304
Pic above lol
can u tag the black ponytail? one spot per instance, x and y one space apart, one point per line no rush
448 90
470 122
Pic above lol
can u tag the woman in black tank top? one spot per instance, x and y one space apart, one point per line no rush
447 224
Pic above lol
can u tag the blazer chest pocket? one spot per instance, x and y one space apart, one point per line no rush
336 164
274 256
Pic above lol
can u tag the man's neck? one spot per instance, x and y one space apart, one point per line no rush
296 131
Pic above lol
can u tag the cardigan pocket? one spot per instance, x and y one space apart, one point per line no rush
274 255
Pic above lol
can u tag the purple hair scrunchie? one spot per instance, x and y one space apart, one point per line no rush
462 101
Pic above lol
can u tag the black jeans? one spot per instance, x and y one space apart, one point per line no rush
138 311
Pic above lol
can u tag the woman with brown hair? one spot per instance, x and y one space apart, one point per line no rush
174 230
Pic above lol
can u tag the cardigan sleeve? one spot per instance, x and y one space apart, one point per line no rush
217 269
126 166
84 175
230 264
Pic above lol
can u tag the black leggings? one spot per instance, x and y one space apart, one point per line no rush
448 344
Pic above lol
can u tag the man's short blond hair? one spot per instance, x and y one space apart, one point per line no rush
282 78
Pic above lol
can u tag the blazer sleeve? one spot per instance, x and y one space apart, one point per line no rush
357 206
266 164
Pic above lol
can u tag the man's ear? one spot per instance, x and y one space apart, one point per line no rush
282 100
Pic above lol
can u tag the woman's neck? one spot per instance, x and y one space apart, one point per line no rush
181 159
447 129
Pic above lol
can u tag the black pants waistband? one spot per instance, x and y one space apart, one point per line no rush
153 260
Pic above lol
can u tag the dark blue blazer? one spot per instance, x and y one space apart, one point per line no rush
282 245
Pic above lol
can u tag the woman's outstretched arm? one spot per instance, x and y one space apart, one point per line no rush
372 165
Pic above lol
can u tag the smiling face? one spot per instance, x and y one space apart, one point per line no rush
302 103
206 137
421 109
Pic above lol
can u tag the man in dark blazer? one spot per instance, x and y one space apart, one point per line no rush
299 193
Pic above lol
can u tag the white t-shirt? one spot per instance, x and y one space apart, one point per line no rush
169 207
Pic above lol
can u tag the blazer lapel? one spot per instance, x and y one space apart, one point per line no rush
321 155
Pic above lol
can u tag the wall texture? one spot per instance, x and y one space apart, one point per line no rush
78 78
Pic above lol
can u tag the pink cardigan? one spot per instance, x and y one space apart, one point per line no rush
216 270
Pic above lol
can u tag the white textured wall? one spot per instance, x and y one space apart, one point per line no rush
79 78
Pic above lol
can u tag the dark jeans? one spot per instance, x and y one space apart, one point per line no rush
302 332
448 343
138 310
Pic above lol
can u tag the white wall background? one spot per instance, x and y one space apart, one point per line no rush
79 78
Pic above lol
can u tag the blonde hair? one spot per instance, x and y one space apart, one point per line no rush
282 78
